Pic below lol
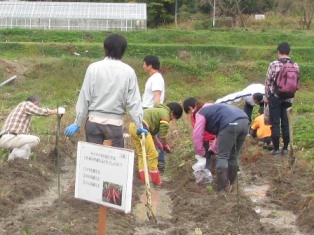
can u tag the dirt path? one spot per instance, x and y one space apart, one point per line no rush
15 222
269 212
181 205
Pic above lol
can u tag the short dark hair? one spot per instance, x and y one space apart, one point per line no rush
284 48
153 61
115 46
189 102
33 99
176 109
258 97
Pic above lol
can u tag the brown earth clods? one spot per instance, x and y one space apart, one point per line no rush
193 206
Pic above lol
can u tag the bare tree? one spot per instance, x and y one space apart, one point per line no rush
307 10
284 6
231 8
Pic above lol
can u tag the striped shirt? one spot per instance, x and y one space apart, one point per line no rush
273 69
19 120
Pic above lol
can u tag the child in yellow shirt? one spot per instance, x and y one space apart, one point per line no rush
260 130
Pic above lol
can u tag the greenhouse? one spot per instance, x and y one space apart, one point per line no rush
73 15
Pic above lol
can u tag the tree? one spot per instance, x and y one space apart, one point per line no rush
206 6
284 7
258 6
159 12
307 10
233 8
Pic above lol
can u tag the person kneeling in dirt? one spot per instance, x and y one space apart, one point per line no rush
260 130
14 133
156 120
191 106
231 125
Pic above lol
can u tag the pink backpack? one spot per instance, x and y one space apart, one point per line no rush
287 79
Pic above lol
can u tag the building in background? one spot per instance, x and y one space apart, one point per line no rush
73 15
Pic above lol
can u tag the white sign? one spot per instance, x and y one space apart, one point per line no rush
260 17
104 175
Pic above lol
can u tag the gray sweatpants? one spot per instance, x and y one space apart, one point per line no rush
230 141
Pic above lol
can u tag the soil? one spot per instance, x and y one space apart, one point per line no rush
11 68
29 202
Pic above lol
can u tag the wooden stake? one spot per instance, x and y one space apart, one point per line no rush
102 219
291 152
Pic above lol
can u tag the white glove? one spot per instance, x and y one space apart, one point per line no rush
61 110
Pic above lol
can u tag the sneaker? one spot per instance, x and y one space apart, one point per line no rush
275 152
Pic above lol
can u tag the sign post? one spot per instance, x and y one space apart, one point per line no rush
102 218
104 175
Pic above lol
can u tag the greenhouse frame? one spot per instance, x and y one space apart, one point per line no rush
73 15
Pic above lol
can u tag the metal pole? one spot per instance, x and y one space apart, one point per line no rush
176 13
214 14
58 161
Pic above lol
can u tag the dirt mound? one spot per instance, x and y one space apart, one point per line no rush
20 180
29 196
193 206
215 215
289 189
10 68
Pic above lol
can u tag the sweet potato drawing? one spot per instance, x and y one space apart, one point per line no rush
112 193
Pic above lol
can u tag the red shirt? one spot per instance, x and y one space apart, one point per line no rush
208 137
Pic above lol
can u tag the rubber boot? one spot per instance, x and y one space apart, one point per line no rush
222 180
141 175
213 165
155 176
232 173
208 162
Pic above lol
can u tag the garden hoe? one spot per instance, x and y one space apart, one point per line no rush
291 153
148 204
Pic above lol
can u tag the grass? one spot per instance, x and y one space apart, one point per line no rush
204 64
222 37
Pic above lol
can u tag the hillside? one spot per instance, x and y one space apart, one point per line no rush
204 64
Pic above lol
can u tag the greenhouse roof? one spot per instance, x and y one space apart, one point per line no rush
73 10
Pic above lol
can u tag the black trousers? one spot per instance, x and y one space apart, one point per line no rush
97 133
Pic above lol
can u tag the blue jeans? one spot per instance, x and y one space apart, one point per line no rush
161 154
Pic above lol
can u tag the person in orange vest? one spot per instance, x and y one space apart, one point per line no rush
260 130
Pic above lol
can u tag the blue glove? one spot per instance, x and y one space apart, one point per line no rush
139 131
71 130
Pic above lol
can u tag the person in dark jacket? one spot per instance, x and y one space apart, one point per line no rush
191 106
231 125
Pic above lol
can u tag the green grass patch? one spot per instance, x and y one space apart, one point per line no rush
204 64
